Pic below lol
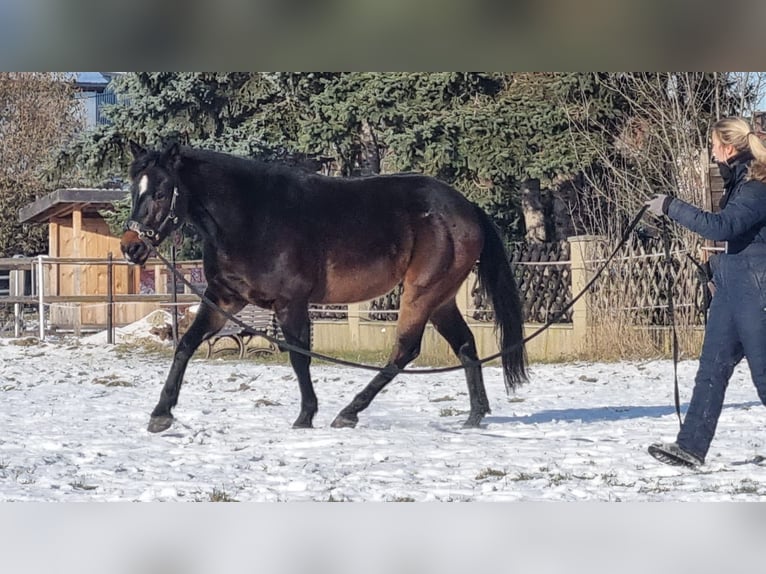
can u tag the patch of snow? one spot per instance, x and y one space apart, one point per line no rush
75 414
135 332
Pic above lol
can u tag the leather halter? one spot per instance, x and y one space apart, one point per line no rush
150 233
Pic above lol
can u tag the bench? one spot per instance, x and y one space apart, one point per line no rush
248 343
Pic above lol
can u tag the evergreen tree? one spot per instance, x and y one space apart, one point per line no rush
485 133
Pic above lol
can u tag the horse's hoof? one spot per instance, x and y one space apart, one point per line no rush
473 422
303 422
345 422
159 424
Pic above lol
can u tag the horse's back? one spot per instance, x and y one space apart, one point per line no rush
404 195
371 232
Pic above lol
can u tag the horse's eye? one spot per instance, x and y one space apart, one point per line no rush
161 193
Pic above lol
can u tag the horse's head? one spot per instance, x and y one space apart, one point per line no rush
158 208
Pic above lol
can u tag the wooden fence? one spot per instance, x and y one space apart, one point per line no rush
34 287
548 276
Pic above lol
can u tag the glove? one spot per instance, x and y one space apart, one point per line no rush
657 204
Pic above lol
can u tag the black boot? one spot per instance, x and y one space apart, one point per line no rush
671 453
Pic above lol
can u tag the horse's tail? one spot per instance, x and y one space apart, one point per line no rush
498 284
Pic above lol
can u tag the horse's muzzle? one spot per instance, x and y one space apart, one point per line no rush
133 248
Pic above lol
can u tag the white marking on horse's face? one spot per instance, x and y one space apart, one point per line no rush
143 184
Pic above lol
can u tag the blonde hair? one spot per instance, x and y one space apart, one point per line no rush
738 133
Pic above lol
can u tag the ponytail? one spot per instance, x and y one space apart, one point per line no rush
738 133
758 166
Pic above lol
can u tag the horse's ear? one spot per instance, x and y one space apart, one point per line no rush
136 149
172 155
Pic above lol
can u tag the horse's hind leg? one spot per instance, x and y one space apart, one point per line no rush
407 348
450 324
296 327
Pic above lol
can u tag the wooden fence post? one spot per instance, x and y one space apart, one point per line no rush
463 297
581 252
41 297
109 299
78 247
353 312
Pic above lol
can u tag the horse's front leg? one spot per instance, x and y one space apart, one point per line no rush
293 318
207 323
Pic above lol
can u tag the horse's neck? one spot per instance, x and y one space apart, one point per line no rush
202 215
212 213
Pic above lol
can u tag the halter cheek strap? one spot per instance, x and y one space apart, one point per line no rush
170 219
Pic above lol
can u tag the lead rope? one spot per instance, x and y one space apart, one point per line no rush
671 313
284 345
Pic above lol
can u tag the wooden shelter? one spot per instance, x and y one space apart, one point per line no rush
76 230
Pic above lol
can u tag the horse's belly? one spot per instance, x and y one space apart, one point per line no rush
359 284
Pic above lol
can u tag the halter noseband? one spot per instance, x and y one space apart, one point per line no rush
146 231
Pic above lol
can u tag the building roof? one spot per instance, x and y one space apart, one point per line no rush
91 78
62 202
92 81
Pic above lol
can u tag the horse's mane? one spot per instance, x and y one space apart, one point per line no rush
227 162
252 166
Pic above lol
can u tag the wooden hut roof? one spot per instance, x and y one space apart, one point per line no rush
62 202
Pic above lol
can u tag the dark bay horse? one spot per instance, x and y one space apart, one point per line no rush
282 238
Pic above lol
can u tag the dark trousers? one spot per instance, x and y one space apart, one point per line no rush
736 328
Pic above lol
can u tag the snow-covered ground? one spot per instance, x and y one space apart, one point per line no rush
74 415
